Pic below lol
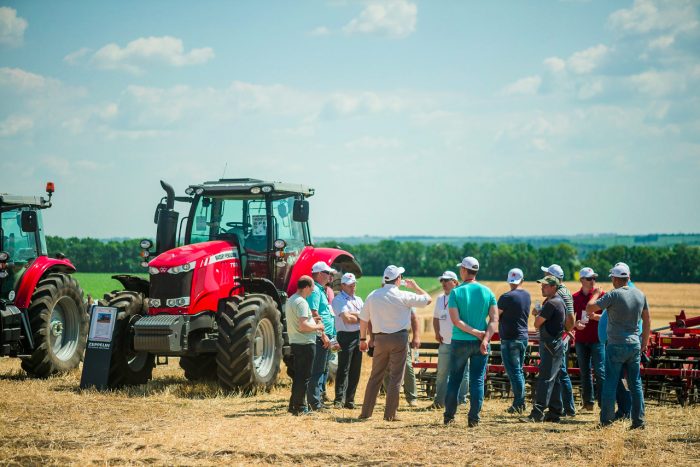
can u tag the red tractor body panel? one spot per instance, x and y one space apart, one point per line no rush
308 256
39 267
216 271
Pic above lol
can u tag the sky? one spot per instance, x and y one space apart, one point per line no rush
408 117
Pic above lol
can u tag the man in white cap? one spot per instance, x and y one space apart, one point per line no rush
624 305
322 274
442 324
347 306
567 392
514 311
470 305
590 353
389 311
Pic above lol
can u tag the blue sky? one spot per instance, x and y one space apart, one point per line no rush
408 117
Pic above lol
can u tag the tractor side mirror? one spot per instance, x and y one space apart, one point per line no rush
300 212
29 221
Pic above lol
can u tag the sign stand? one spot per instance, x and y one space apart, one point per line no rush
98 353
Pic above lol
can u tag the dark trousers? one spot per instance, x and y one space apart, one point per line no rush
303 361
318 372
349 366
548 392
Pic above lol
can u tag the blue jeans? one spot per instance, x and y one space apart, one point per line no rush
463 353
567 391
513 354
443 373
318 372
548 390
624 401
618 358
588 353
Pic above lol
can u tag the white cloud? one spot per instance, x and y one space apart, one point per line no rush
320 31
585 61
590 89
393 18
340 105
658 83
15 124
524 86
75 57
21 80
555 64
370 142
165 50
647 16
12 27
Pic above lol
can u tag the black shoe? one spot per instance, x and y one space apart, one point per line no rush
349 405
588 406
515 410
472 423
320 408
638 426
570 414
552 418
602 425
531 419
297 412
449 421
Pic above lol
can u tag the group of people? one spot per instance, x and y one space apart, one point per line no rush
610 331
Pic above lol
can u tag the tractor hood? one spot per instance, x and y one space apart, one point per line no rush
208 252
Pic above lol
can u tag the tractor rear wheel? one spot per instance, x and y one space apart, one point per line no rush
200 367
59 324
249 347
128 367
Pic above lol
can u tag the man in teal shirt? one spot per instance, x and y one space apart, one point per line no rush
318 302
470 304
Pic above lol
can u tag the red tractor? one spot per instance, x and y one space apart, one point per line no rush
43 319
215 294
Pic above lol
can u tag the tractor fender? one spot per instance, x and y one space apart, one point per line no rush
340 260
133 283
32 275
264 286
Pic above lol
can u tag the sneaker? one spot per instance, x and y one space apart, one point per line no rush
515 410
472 423
349 405
638 426
552 419
320 408
337 405
602 425
412 403
302 411
531 419
435 406
449 421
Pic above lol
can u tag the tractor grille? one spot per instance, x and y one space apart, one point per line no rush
164 286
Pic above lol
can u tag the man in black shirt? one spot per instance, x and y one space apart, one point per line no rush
550 322
514 311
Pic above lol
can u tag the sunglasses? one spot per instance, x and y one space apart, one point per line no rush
589 279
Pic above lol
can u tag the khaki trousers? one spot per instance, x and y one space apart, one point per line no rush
389 352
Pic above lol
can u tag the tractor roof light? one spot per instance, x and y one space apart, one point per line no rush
267 189
146 244
199 191
189 191
255 190
50 188
4 256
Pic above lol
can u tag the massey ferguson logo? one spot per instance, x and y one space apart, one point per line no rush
163 269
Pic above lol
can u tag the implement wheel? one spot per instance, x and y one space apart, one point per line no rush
59 324
249 347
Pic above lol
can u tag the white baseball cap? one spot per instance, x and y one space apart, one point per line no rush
392 272
621 270
348 278
586 273
321 266
447 276
554 270
515 276
470 263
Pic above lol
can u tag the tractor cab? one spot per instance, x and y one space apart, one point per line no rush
21 237
267 221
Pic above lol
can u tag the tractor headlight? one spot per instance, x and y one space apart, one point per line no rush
255 190
181 301
144 264
146 244
266 189
4 256
183 268
189 191
153 270
154 302
199 191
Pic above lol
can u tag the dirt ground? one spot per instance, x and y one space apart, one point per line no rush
170 421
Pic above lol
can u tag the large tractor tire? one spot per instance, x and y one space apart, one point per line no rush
200 367
59 324
249 347
128 367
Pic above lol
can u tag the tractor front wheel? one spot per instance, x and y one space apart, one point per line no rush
249 347
59 324
200 367
127 367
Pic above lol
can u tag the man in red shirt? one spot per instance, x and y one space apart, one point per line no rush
589 351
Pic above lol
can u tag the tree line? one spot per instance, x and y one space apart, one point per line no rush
677 263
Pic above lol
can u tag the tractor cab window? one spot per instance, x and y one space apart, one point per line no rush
285 227
21 246
256 216
217 219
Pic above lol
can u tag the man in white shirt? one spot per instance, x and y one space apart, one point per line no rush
388 310
347 306
442 324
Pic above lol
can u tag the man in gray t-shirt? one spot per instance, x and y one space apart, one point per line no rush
623 349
